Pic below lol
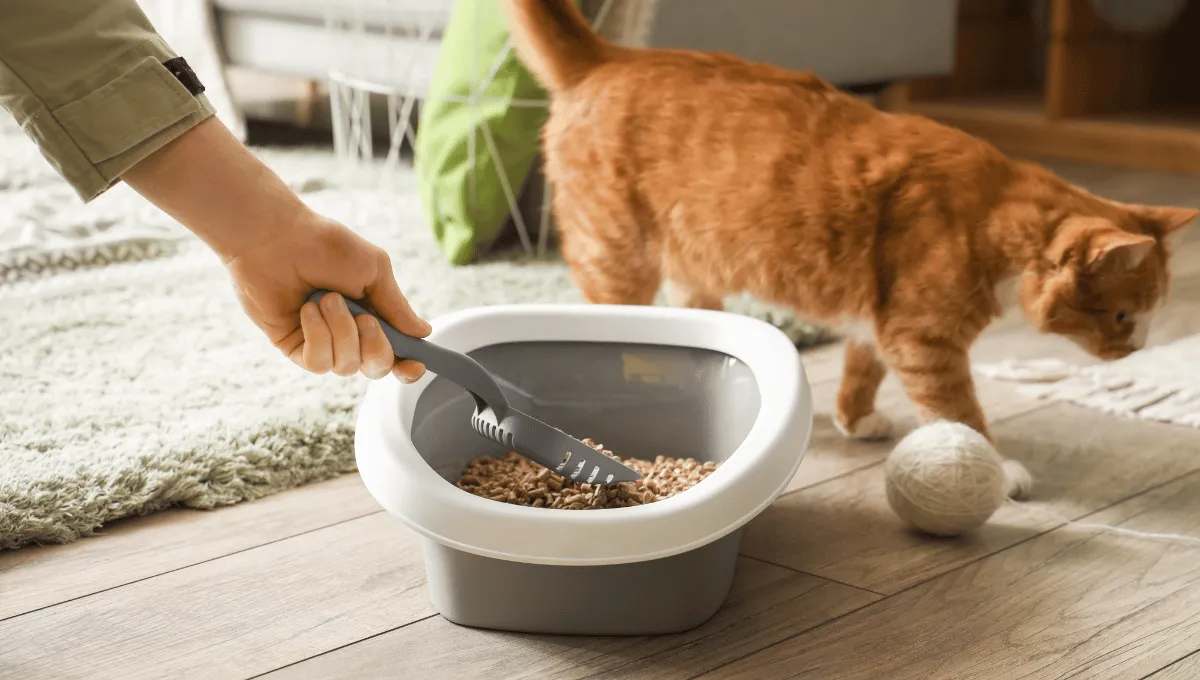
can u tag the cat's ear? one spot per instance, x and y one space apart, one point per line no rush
1114 247
1094 243
1163 220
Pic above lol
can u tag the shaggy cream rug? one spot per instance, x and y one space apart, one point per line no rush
130 380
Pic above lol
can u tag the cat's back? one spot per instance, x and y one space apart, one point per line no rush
671 96
671 124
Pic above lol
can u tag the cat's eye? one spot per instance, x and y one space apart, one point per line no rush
1121 317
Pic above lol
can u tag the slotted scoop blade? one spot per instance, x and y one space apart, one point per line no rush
552 448
495 419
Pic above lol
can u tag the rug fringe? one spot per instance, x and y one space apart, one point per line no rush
1129 398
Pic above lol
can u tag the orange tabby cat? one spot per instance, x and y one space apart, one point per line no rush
722 176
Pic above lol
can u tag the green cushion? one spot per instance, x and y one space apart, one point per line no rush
463 216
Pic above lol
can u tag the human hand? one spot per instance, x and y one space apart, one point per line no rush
278 252
274 279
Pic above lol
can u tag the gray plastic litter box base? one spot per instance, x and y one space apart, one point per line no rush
668 595
702 407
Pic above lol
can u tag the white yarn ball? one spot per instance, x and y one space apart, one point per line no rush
945 479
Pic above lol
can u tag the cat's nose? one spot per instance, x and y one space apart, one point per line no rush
1121 352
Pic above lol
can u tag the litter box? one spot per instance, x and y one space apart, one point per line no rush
642 381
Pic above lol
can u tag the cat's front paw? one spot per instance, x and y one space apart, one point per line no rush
874 425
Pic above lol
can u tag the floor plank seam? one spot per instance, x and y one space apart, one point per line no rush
1181 659
187 566
340 647
836 477
950 571
609 672
1143 492
809 574
792 636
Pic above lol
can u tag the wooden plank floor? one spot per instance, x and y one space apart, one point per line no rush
318 583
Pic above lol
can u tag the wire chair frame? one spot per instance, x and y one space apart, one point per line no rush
392 55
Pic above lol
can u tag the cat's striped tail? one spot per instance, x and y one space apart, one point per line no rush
555 41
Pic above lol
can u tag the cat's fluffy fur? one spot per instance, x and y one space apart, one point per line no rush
720 176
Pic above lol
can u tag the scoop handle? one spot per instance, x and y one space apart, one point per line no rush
449 364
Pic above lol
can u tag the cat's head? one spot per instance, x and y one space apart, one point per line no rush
1102 275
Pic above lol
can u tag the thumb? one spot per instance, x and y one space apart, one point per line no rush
389 303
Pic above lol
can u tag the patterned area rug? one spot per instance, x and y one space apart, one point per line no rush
1160 384
130 381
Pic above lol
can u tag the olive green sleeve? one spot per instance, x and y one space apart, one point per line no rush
86 80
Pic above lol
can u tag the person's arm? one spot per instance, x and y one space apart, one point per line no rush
105 98
278 251
93 84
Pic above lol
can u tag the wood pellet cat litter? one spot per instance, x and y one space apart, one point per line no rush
514 479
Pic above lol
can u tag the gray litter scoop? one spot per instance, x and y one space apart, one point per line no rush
494 419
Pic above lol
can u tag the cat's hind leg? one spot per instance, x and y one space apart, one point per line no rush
682 295
863 373
610 259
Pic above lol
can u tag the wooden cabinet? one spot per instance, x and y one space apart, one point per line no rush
1054 78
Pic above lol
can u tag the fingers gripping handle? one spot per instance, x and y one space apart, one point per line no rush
451 365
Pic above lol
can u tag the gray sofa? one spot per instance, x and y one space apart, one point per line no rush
849 42
293 37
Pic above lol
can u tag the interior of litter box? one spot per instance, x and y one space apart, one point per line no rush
637 400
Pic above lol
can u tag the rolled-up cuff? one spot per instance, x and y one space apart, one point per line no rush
95 138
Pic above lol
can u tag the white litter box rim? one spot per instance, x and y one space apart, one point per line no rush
745 484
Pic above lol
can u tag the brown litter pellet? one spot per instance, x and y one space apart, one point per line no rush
514 479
